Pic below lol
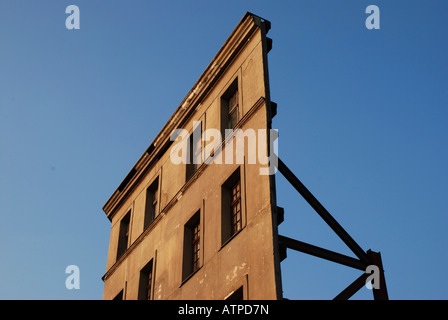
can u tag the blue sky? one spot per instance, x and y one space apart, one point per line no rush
362 121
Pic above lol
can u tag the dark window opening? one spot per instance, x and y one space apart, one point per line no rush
123 237
237 295
194 150
192 246
230 108
145 284
119 296
151 206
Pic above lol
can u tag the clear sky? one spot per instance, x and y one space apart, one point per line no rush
362 120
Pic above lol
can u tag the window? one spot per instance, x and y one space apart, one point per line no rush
119 296
145 283
194 152
231 214
230 108
151 206
237 294
123 237
192 246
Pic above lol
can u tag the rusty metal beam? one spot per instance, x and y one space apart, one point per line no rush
352 288
322 253
381 292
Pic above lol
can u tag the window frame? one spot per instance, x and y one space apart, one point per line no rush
152 208
235 208
124 234
227 230
196 243
192 247
227 110
194 152
146 281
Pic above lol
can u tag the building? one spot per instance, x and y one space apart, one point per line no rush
204 229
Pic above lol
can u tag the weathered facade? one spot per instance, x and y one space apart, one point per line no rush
207 230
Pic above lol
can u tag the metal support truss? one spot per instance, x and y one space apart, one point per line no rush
364 258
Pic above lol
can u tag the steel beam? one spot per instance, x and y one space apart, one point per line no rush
352 288
325 215
381 292
322 253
